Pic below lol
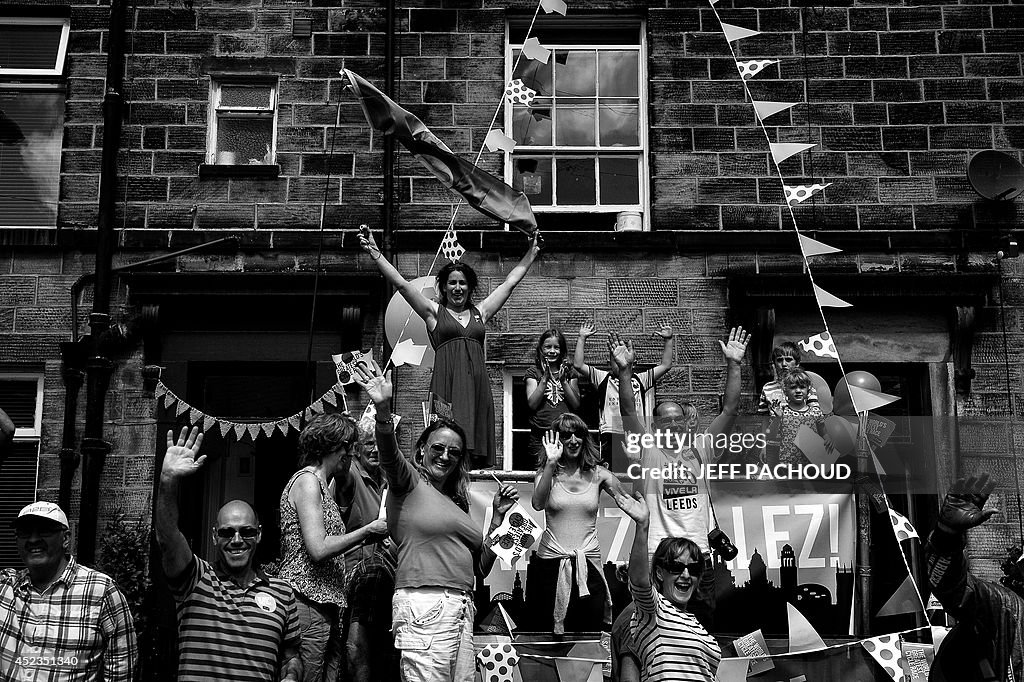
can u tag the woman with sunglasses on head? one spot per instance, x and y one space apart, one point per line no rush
313 539
456 327
672 643
568 591
551 387
440 548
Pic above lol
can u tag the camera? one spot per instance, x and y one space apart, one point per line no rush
721 544
364 230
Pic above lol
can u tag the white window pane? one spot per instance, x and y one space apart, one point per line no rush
620 123
245 96
532 176
574 182
620 179
575 73
574 124
618 74
247 138
27 46
534 74
531 126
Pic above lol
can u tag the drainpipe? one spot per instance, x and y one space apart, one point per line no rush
98 366
387 211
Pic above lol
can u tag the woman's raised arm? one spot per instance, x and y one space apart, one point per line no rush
423 306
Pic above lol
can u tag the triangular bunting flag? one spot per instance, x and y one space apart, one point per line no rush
886 652
496 140
813 446
798 194
208 422
267 428
764 109
450 246
878 465
225 427
550 6
901 526
904 600
734 33
865 400
239 431
497 661
820 345
511 624
194 416
732 670
308 414
254 431
160 389
783 150
751 68
330 398
317 406
532 49
518 93
827 300
282 426
181 408
802 635
407 353
812 247
295 421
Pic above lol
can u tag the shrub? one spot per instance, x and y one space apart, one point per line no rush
124 555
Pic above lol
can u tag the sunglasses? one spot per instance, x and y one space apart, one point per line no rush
671 420
247 532
675 566
566 435
438 449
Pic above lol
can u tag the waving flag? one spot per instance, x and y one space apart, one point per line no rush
480 189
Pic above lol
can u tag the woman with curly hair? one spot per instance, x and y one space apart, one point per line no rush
457 327
440 548
568 591
551 387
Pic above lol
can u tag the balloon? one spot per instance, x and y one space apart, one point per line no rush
842 433
401 321
823 391
842 402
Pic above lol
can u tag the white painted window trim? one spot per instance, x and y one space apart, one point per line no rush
216 111
62 47
35 432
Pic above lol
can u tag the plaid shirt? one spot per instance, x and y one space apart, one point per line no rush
78 630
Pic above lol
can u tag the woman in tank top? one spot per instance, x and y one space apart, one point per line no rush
566 589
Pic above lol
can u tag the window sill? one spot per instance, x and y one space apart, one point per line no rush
220 170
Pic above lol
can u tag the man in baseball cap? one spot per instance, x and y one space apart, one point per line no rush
57 596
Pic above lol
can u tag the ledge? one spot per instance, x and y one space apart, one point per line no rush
239 170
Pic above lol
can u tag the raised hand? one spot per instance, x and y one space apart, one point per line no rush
367 244
665 332
587 330
620 353
180 459
504 498
552 446
964 505
536 240
736 347
376 384
635 507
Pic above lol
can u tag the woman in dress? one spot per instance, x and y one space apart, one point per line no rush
440 548
568 591
457 327
313 538
551 388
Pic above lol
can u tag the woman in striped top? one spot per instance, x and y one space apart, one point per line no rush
672 644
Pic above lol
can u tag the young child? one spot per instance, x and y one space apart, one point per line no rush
785 357
797 412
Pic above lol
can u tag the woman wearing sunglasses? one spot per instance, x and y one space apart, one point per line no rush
672 643
440 548
313 539
567 586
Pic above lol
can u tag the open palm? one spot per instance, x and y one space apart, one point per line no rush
180 459
736 347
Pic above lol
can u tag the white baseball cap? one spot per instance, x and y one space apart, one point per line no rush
43 510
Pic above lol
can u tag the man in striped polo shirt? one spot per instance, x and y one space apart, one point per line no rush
234 622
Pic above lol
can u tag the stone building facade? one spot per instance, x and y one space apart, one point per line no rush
897 96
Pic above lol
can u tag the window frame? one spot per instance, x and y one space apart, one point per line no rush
36 431
217 82
642 149
62 49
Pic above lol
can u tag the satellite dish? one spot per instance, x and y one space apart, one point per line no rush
996 175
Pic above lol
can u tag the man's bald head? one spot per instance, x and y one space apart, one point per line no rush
237 513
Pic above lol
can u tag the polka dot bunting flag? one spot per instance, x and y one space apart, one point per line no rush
497 661
797 194
885 649
518 93
751 68
451 247
821 345
901 526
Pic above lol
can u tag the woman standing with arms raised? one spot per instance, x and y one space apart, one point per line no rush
440 548
457 328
